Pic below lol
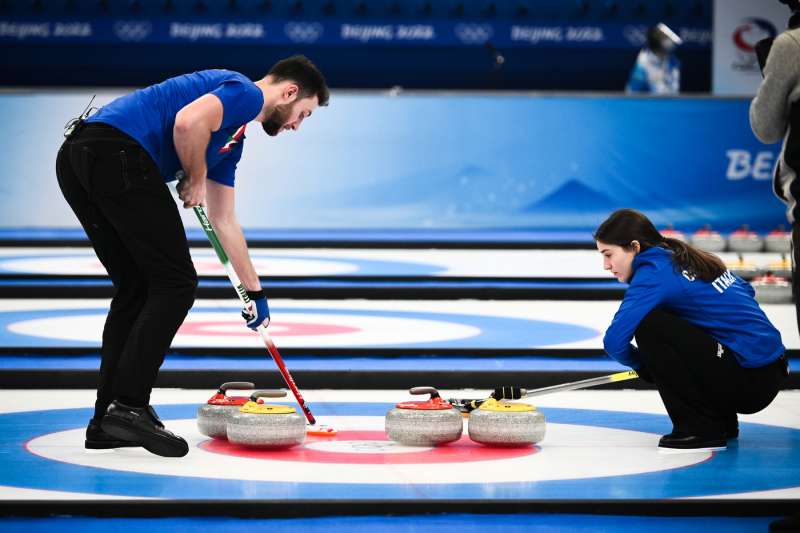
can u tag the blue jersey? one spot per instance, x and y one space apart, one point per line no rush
655 75
725 309
148 115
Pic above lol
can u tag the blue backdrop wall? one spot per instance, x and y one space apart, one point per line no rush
421 44
373 160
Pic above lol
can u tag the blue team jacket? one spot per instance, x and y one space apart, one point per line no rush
725 309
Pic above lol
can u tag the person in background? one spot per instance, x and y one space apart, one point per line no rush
701 337
775 116
657 70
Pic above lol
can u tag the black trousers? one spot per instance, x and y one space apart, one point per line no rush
702 389
123 204
795 266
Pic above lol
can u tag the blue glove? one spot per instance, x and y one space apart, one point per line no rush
258 312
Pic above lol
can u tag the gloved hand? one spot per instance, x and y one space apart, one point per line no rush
258 311
762 51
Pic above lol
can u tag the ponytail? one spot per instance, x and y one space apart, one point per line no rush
703 265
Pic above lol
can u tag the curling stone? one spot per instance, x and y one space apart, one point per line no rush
779 240
266 426
771 289
424 423
501 423
742 268
671 233
781 268
709 240
212 417
745 240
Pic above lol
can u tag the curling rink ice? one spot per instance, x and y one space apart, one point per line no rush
598 445
299 263
315 324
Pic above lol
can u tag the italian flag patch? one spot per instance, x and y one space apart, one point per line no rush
233 139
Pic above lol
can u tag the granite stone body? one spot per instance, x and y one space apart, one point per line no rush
267 430
212 420
506 424
417 427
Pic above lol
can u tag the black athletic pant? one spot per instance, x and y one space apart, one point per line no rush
795 265
702 390
132 221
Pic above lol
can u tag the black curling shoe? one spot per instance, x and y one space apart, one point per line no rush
680 443
732 427
142 426
97 439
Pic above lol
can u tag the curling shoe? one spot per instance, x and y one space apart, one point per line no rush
97 439
684 443
142 426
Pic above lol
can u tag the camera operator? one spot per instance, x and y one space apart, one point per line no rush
775 116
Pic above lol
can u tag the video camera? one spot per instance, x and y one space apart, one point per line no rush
763 46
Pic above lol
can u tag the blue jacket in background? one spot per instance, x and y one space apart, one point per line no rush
725 309
655 75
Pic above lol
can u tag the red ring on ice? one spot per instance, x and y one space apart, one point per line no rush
220 328
461 451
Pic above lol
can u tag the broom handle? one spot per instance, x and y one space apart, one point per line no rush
245 299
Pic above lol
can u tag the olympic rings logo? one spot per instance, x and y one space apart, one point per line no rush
636 35
132 30
302 32
474 33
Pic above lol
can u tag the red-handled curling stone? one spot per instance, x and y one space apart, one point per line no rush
772 289
424 423
671 233
745 240
212 418
709 240
779 240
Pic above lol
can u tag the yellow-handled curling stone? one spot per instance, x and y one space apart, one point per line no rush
263 425
212 418
743 268
502 423
782 267
424 423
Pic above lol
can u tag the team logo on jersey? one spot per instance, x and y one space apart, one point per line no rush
233 139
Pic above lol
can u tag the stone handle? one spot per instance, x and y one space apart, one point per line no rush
236 385
267 394
425 390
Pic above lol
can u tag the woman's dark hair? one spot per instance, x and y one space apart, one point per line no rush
305 74
627 225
